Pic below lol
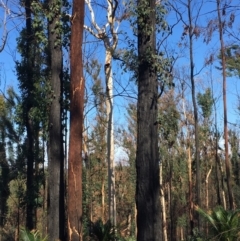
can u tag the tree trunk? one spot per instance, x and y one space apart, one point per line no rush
103 200
206 181
207 197
30 170
4 184
195 111
216 174
223 58
56 213
28 121
190 184
171 205
190 191
222 185
164 214
110 43
149 225
216 151
76 125
110 139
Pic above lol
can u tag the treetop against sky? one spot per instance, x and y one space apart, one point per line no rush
206 50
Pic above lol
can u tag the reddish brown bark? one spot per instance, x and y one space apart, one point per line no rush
76 123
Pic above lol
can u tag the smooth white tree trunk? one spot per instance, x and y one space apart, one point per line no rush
164 215
110 40
110 138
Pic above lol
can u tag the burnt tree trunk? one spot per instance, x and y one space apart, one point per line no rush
149 226
196 124
56 214
76 125
28 122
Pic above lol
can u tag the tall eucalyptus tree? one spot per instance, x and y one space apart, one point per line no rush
221 23
149 226
32 73
74 203
110 41
56 206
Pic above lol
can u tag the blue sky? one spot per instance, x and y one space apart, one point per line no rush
202 51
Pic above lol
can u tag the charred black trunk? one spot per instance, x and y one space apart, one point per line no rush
56 207
149 225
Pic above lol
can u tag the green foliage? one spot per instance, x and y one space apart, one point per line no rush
233 60
130 239
225 224
17 194
56 13
100 231
206 101
34 235
8 140
143 11
232 55
196 236
155 58
168 120
38 24
34 93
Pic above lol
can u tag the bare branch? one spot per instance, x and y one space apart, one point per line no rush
5 32
93 21
198 13
91 31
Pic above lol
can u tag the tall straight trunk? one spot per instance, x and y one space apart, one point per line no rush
190 191
222 184
217 180
76 125
207 195
216 150
36 172
103 200
56 213
195 111
170 211
110 41
30 186
223 58
4 192
149 225
171 204
206 181
190 184
164 213
110 138
28 121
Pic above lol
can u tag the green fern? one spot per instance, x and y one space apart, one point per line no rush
34 235
225 224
